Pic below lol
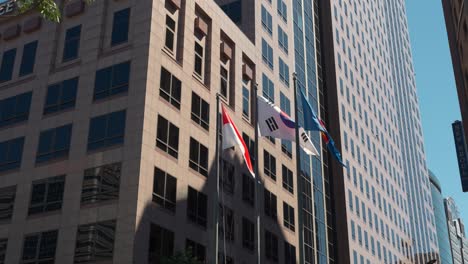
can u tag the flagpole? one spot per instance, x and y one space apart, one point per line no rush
257 180
298 173
216 202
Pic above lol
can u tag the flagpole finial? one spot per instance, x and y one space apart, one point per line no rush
256 87
294 75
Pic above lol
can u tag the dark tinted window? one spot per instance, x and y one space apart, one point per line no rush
120 27
248 189
248 234
271 246
170 88
233 10
164 189
106 130
54 143
270 204
197 207
15 109
269 166
11 152
288 215
112 80
61 96
101 183
198 159
288 182
200 111
289 253
161 243
28 59
40 248
168 137
71 45
197 250
95 242
47 195
3 249
8 63
7 202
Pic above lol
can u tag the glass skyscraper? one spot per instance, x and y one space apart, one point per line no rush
445 252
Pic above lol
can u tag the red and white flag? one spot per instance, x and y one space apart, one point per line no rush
232 138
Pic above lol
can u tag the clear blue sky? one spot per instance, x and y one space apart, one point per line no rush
437 93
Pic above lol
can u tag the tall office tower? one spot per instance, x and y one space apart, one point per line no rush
456 228
445 251
462 153
108 134
410 138
295 26
388 209
456 22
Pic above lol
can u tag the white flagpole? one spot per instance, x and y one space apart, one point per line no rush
258 184
298 173
216 199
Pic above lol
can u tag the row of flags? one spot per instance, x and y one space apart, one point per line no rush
273 122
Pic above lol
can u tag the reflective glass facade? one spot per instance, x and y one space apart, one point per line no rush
445 252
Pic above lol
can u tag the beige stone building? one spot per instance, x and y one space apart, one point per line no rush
108 133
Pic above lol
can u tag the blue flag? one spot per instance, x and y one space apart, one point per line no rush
313 123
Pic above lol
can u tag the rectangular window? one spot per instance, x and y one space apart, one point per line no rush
248 189
106 130
95 242
270 204
47 195
286 145
245 99
54 143
200 111
288 216
267 54
168 137
112 80
267 21
15 109
268 88
269 165
171 27
250 143
289 253
288 182
200 53
284 72
164 189
11 152
7 202
282 10
29 58
225 79
170 88
197 250
228 177
271 246
120 27
3 249
197 207
61 96
198 157
101 183
71 44
7 66
226 217
248 234
40 247
161 244
283 41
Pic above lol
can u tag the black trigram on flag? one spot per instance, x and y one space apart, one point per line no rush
271 123
304 137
